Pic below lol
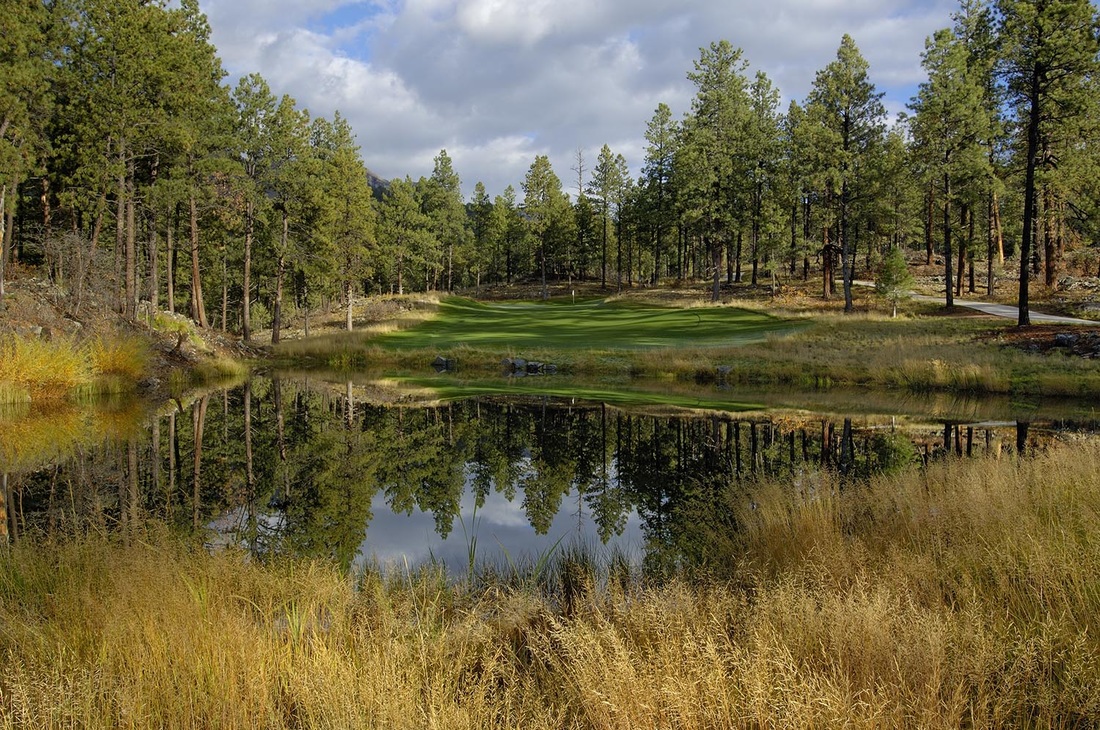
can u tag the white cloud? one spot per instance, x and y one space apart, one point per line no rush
496 82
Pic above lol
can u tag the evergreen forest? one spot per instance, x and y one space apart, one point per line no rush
143 179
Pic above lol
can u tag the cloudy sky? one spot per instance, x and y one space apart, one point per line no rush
497 82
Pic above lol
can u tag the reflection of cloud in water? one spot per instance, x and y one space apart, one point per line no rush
502 531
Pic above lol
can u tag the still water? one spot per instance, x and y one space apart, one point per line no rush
318 468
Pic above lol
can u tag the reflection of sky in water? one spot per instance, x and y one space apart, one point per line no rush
501 528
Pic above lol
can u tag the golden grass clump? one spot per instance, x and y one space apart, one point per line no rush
962 594
119 357
36 369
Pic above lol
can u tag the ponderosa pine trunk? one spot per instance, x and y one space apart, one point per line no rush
198 307
246 297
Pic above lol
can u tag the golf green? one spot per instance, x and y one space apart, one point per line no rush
594 324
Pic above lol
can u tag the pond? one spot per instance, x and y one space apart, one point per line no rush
358 472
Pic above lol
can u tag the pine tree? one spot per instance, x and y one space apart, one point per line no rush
255 107
25 102
347 219
762 153
443 204
404 231
949 128
295 188
661 136
894 280
482 256
546 209
849 113
712 140
1049 52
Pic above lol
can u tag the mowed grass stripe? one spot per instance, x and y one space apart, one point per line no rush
589 324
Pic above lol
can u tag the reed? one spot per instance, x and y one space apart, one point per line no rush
962 594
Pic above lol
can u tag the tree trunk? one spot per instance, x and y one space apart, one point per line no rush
1034 111
170 261
603 249
3 237
947 268
929 224
277 313
542 265
737 259
305 308
198 307
129 306
347 303
716 253
246 296
970 250
845 250
990 246
225 289
198 415
118 290
999 231
154 264
961 268
1050 247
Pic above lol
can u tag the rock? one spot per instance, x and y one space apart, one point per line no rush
533 368
549 369
1065 339
724 370
443 364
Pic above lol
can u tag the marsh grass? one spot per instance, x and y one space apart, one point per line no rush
38 369
119 356
33 369
962 594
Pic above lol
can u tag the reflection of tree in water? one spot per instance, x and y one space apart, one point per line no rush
285 466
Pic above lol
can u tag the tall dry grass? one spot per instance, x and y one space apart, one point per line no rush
965 594
34 369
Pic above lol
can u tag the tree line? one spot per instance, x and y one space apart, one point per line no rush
127 161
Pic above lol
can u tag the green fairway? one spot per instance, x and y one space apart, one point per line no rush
617 394
587 324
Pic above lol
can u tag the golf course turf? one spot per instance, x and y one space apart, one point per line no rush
585 324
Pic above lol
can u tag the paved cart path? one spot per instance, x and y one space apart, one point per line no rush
1008 311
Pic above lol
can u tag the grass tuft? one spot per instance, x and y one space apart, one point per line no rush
120 357
961 594
42 369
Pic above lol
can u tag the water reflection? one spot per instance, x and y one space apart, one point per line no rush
317 469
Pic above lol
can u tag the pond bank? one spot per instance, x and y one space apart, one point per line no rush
959 594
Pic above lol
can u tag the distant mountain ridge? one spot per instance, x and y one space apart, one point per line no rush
378 185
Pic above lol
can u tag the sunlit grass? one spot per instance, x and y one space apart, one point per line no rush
963 594
119 356
41 369
805 351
